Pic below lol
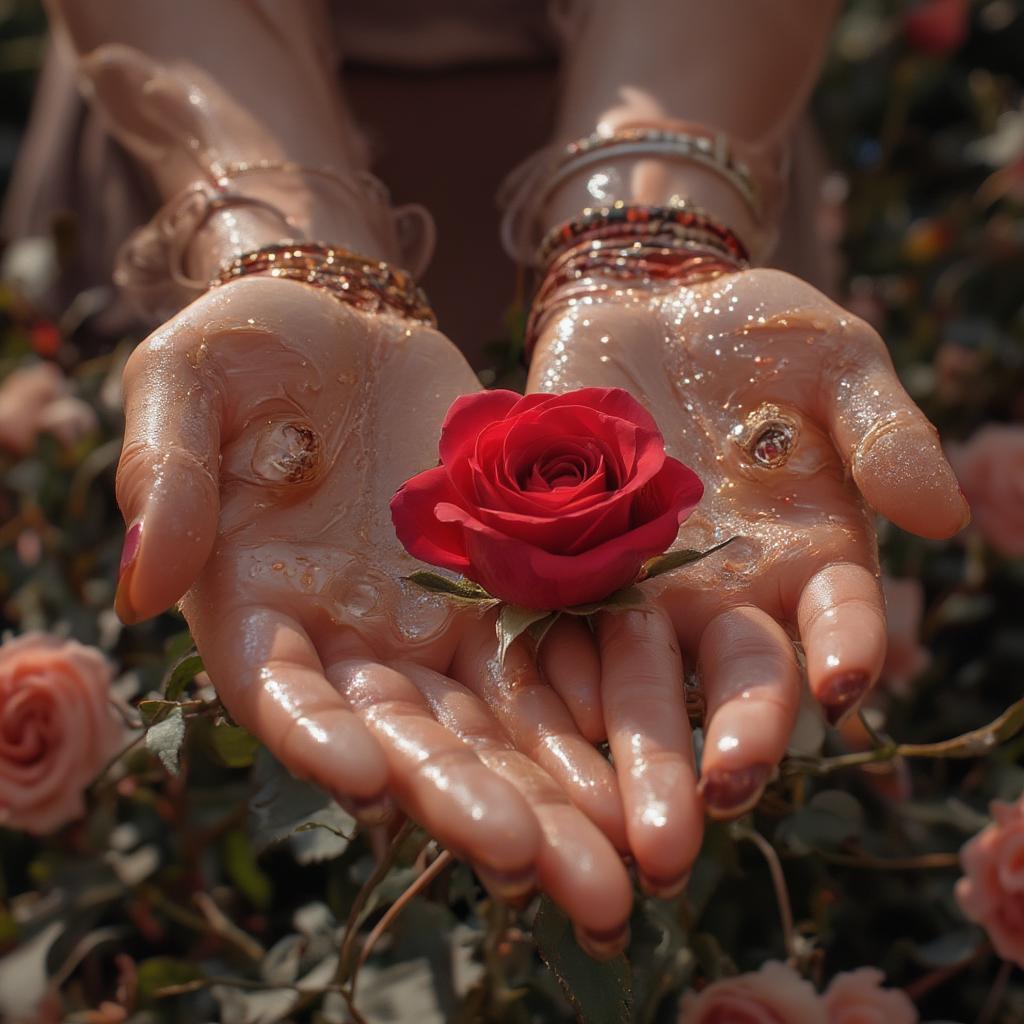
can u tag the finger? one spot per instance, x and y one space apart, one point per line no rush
569 662
649 735
538 724
271 681
576 866
891 447
752 687
841 616
167 477
437 778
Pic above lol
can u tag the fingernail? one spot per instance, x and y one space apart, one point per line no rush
663 888
727 794
132 541
508 886
130 551
967 514
841 694
602 945
368 810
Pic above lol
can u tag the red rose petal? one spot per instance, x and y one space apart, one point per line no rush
466 419
522 573
418 528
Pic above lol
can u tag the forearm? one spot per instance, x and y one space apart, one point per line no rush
227 83
745 67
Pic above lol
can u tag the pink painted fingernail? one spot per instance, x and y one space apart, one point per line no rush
132 542
509 886
842 693
370 810
727 794
602 945
663 888
129 553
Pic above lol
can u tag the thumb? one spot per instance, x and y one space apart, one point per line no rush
168 475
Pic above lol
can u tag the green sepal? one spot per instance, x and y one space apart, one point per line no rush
461 588
512 623
661 564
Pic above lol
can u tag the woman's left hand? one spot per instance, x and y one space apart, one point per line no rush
790 411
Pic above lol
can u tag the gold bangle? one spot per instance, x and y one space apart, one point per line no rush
369 285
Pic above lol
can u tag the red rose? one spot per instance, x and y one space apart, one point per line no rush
546 501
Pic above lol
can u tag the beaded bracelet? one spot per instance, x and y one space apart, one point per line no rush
359 281
633 219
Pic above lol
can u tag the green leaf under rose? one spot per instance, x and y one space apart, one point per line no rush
514 621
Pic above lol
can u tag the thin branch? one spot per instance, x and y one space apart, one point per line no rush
417 886
779 884
873 863
222 925
917 990
233 936
996 994
345 953
877 739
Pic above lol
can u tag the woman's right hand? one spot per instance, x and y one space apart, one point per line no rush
268 426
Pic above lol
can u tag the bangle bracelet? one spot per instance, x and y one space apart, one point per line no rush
595 266
369 285
623 220
525 191
151 262
713 150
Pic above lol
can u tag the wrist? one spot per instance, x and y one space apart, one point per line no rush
229 232
654 182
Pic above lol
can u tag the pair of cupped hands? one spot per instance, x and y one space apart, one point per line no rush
269 425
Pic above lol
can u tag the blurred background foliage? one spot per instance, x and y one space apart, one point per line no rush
227 890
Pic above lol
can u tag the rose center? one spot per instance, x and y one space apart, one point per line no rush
26 728
562 469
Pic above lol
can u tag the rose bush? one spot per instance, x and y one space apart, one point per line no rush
906 657
991 471
37 399
775 994
857 997
57 729
546 501
991 892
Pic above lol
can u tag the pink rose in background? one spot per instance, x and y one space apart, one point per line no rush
57 729
36 399
906 658
991 893
857 997
775 994
990 467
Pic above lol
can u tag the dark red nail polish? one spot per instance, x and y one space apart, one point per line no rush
132 541
507 885
663 888
369 810
842 693
728 793
603 945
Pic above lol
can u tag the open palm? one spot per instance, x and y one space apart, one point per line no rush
790 411
268 426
